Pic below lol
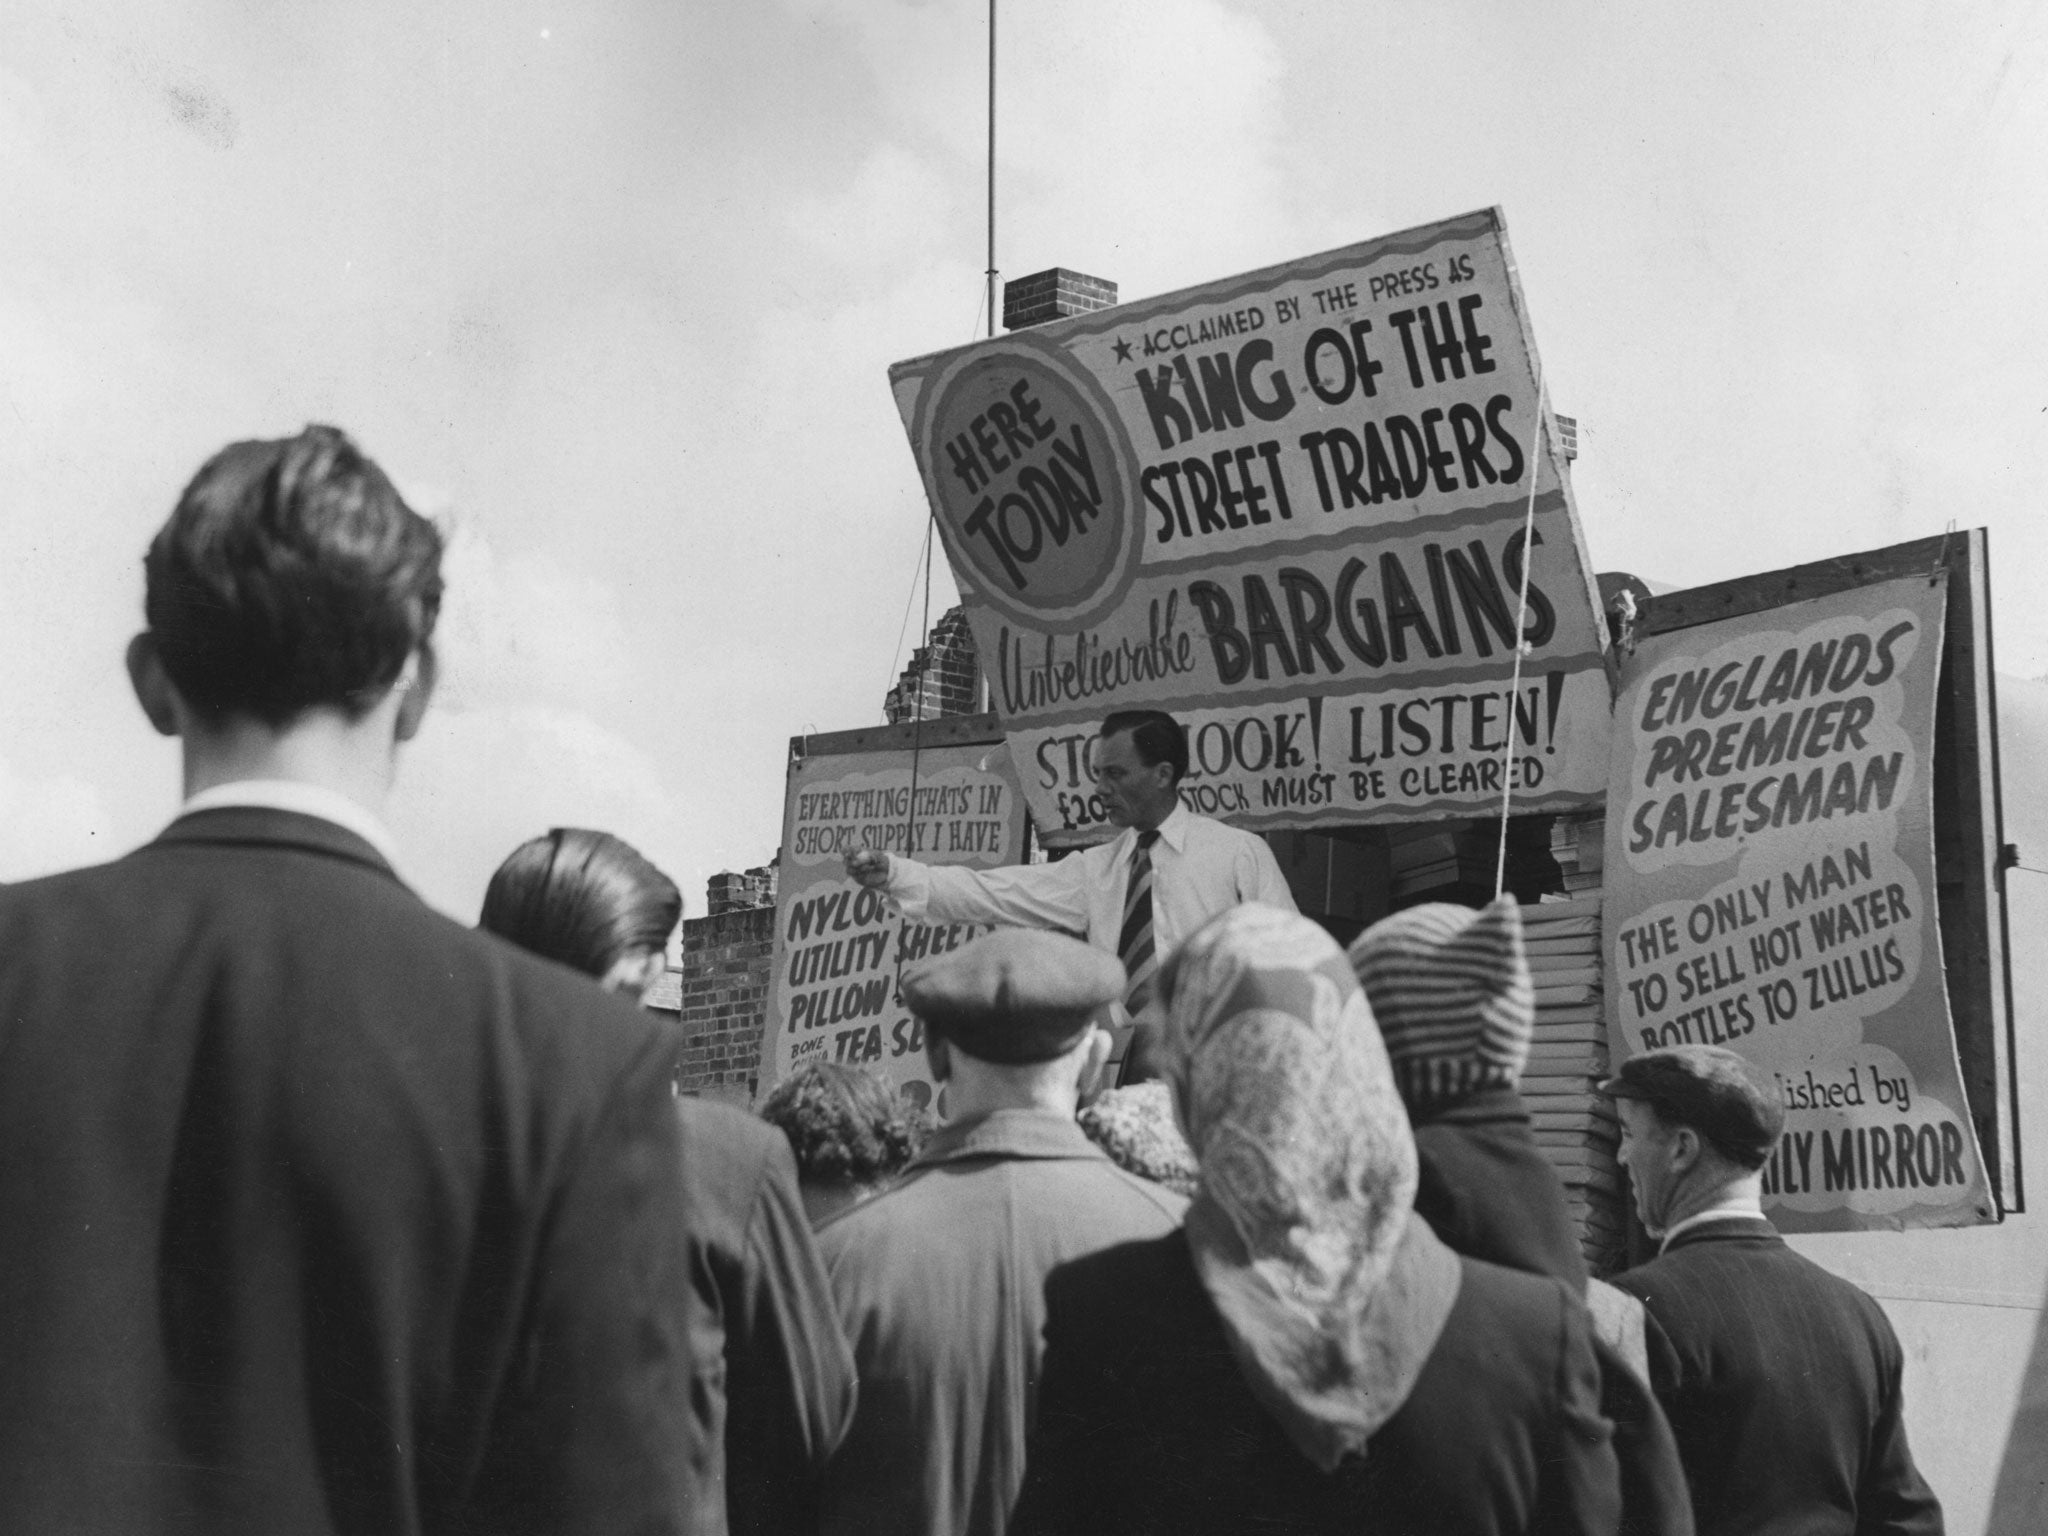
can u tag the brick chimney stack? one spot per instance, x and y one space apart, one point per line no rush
1053 294
944 675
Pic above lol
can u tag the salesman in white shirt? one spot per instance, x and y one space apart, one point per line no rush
1136 896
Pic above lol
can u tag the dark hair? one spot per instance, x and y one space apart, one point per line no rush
1156 735
845 1125
585 898
291 575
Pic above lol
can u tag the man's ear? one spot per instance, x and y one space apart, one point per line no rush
1095 1049
1685 1149
154 690
936 1054
417 684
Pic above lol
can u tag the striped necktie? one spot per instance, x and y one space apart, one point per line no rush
1134 944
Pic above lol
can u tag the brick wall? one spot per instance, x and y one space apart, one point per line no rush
725 1001
945 672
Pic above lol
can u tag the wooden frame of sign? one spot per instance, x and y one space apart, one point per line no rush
1969 832
939 731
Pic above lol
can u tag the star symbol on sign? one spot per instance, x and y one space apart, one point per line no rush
1122 349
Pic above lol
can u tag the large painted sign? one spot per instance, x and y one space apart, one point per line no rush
1288 507
1770 888
839 949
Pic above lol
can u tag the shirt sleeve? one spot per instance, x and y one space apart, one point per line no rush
791 1374
1017 895
1259 877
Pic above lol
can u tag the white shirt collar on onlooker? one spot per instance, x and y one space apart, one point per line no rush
304 800
1728 1208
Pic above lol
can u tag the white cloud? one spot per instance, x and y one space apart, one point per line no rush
894 209
1139 141
477 783
511 747
526 630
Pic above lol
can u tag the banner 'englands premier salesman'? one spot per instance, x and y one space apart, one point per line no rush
1770 887
1289 508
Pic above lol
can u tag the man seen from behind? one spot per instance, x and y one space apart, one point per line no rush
1781 1381
941 1280
318 1211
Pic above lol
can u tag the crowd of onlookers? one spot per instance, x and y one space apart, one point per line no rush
320 1212
1372 1313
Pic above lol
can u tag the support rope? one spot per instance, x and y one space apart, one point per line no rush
1507 746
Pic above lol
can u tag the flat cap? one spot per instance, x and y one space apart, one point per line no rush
1713 1090
1014 996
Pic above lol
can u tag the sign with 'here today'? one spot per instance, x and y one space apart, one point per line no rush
1290 508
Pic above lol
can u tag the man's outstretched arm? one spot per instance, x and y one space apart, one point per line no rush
1017 895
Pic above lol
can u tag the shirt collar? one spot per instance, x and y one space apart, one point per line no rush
303 799
1735 1207
1007 1133
1174 830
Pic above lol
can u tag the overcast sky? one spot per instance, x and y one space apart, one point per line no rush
612 289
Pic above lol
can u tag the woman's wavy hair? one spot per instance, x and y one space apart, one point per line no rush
845 1125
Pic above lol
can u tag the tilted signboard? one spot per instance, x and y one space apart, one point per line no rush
840 948
1288 507
1770 888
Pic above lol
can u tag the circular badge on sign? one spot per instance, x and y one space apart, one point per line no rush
1029 469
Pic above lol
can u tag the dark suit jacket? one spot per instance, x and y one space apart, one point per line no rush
321 1213
1782 1384
1488 1191
1146 1425
764 1323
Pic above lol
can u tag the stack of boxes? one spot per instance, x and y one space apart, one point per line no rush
1575 1126
1576 843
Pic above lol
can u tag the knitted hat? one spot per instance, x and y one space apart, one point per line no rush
1451 991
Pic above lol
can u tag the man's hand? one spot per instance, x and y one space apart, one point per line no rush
869 867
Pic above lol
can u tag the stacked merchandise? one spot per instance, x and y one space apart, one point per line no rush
1442 865
1576 843
1575 1127
1421 866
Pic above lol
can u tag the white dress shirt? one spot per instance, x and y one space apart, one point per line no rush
1742 1206
303 799
1200 867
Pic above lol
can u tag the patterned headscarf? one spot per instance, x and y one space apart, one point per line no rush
1331 1296
1452 994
